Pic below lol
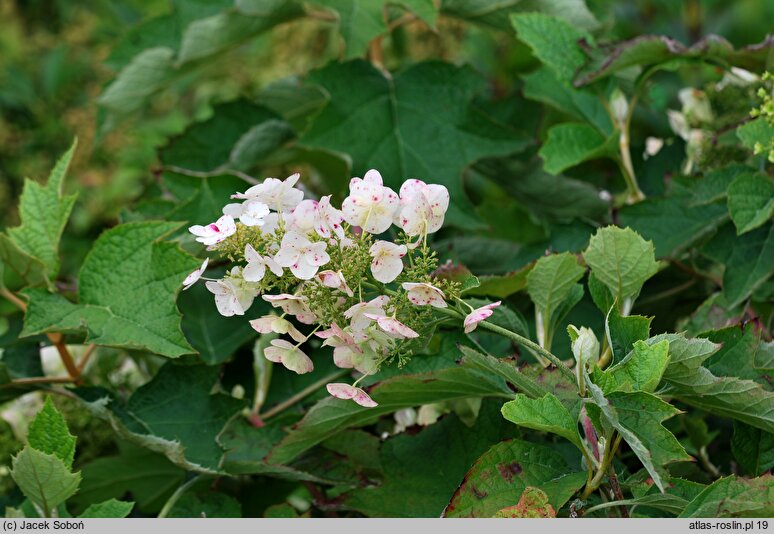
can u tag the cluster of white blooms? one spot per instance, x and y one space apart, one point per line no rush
365 297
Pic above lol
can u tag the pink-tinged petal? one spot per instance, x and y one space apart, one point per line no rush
226 225
422 294
273 266
303 270
192 278
373 177
315 254
216 288
411 188
479 314
284 352
287 257
347 392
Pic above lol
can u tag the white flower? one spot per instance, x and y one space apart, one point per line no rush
321 217
256 265
387 261
334 280
479 314
422 207
278 325
250 213
356 314
215 232
279 195
370 205
652 146
289 355
696 104
292 305
232 297
192 278
392 326
301 255
584 344
347 392
422 294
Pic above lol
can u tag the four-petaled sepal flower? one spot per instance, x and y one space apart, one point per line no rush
347 392
387 261
257 264
278 325
479 314
214 233
301 255
422 294
289 355
192 278
370 205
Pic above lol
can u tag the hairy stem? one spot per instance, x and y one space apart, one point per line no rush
176 496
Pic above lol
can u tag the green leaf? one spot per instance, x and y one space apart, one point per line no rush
543 85
641 370
553 41
720 395
528 183
126 290
148 477
330 415
551 281
622 260
201 199
546 414
638 417
502 368
175 414
753 448
359 23
110 508
622 332
758 132
748 260
506 470
570 144
212 35
146 74
647 50
713 185
674 222
496 15
44 212
750 201
48 433
734 497
420 123
43 478
417 480
29 268
237 136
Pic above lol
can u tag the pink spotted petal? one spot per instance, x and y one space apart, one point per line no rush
478 315
347 392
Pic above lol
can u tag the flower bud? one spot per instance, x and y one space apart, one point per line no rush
619 107
585 345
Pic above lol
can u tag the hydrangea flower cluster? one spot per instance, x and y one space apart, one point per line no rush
369 298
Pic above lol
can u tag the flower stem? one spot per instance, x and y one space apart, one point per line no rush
176 496
302 394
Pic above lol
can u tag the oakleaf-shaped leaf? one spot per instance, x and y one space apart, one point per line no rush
43 478
546 414
419 123
622 260
44 212
638 417
553 41
48 433
506 470
126 291
641 370
175 413
734 497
